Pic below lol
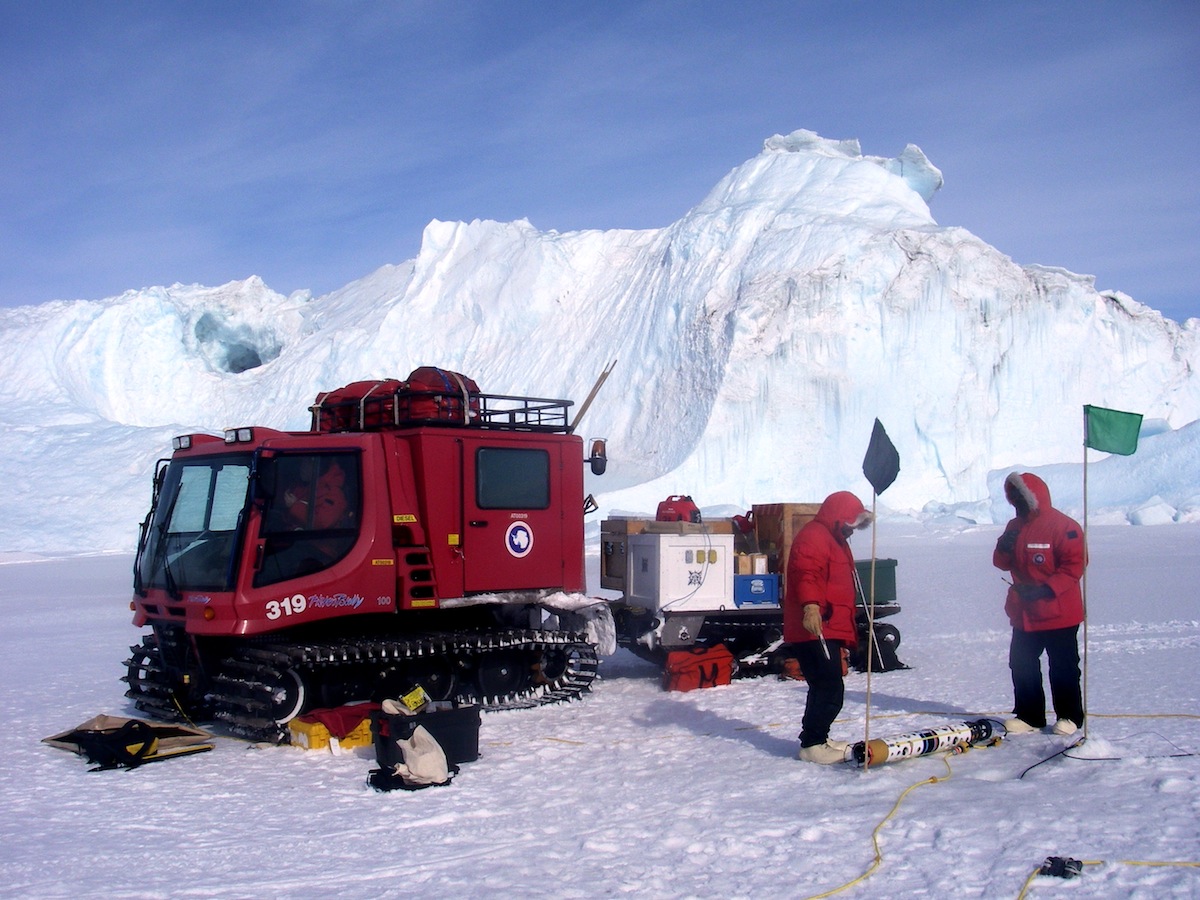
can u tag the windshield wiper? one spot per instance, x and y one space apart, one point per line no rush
172 587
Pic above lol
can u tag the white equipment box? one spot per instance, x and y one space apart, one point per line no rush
680 572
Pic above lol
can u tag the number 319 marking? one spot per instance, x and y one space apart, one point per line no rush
288 606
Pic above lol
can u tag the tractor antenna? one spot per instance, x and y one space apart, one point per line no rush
591 396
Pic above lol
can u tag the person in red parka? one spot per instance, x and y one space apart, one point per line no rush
819 616
1045 552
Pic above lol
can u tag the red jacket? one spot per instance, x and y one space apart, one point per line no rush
820 570
1049 550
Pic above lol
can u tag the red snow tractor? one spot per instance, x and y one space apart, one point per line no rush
421 532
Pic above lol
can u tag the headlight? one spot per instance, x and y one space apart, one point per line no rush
239 435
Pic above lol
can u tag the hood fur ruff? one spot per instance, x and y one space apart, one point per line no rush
843 508
1031 489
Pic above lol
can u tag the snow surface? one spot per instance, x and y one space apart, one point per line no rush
758 338
636 792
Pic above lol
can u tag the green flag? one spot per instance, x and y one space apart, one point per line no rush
1110 430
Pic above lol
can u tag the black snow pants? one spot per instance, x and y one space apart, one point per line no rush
826 690
1061 646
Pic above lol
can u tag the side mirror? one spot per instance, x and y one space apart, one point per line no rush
599 457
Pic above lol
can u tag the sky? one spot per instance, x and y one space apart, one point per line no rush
309 143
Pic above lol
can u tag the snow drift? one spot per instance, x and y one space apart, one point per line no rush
758 338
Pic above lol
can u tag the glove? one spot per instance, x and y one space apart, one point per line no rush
1031 592
812 619
1007 542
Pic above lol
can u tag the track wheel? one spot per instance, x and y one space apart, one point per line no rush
287 697
888 634
553 666
502 673
142 668
436 676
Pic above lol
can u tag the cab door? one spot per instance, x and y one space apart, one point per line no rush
512 513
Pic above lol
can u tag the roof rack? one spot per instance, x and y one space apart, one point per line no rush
386 405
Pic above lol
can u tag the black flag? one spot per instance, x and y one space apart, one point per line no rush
881 465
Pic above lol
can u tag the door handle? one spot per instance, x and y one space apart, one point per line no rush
478 523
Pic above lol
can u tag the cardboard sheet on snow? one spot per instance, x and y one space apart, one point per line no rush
169 739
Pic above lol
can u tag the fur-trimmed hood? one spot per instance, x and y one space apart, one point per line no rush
843 508
1027 493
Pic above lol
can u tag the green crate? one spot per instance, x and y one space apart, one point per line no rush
885 579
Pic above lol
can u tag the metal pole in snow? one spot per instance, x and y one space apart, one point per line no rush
1086 560
870 599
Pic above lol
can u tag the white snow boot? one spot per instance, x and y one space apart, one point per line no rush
823 754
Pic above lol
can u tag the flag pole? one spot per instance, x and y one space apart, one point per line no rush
1086 560
1109 431
881 465
870 601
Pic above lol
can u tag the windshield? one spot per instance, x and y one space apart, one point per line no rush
192 537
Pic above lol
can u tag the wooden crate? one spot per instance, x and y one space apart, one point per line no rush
775 527
715 526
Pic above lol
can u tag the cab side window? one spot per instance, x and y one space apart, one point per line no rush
311 513
508 478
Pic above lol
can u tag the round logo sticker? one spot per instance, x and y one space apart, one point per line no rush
519 539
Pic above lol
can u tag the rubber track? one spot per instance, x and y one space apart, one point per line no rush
241 694
152 692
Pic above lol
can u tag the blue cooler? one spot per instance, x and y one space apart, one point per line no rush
756 590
